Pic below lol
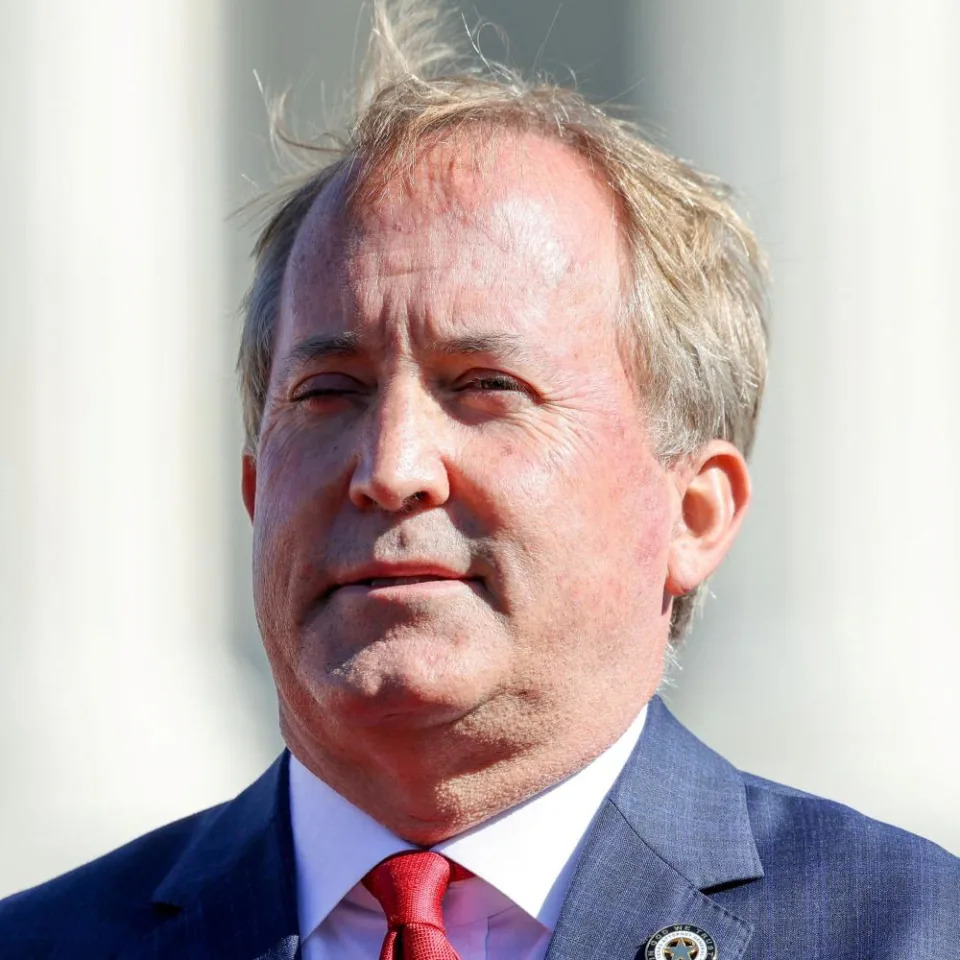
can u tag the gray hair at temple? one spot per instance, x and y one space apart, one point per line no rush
691 325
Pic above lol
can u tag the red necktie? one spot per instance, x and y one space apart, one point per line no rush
410 888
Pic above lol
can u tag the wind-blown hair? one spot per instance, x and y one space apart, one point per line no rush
692 323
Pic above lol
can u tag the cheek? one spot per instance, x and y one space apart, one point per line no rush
591 509
647 510
293 504
296 472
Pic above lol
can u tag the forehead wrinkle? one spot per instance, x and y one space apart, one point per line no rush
514 235
516 215
513 209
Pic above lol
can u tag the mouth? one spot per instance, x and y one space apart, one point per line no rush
376 583
406 586
410 579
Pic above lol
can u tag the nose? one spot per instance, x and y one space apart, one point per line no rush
401 460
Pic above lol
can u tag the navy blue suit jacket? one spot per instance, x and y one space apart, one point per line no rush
684 838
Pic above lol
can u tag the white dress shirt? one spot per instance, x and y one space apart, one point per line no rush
522 860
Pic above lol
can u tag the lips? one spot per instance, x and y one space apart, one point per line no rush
382 576
406 589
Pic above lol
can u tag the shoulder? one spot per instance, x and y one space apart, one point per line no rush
809 873
99 905
848 855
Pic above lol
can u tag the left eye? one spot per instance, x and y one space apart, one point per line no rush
492 382
326 386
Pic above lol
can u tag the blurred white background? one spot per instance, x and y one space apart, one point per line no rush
132 686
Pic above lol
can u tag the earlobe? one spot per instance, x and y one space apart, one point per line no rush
248 482
714 500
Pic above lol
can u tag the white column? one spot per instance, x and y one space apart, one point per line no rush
830 657
120 708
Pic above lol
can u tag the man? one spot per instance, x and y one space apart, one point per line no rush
501 368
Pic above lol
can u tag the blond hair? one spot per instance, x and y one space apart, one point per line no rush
692 323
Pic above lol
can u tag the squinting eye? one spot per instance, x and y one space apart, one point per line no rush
326 386
493 383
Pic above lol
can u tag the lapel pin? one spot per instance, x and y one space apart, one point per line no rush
681 942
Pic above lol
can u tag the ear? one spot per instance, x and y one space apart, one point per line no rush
714 493
248 482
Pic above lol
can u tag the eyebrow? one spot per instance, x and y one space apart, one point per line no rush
507 346
317 347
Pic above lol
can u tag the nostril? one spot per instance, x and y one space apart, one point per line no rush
413 501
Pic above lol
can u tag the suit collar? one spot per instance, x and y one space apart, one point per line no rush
688 804
674 826
231 893
251 828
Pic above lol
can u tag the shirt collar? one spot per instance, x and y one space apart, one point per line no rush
528 852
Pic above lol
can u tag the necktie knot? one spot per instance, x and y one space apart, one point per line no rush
410 887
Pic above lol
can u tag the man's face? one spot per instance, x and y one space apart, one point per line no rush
461 529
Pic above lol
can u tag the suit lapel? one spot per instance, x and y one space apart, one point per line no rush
674 826
232 893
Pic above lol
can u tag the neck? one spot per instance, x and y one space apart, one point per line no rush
429 785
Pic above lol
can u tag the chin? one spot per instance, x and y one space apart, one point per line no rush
405 670
396 694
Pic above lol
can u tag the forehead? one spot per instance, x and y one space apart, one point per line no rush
517 219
